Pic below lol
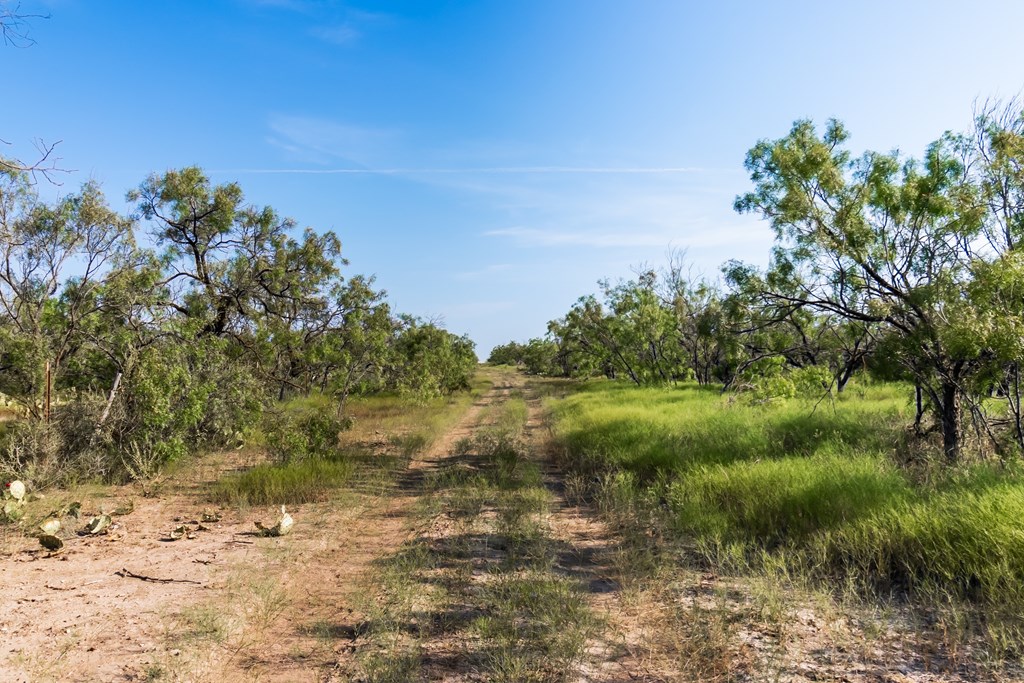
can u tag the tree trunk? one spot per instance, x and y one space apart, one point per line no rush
845 376
919 415
1014 399
952 422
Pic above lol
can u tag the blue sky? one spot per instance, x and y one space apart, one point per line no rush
490 161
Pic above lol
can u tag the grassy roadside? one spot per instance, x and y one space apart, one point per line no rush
381 426
477 590
808 497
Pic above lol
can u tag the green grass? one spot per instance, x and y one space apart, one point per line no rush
410 427
308 481
535 625
817 490
648 431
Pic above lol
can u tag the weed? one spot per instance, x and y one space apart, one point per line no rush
196 624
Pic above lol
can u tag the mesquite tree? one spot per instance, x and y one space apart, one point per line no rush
896 243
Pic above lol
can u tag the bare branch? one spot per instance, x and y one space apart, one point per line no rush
14 25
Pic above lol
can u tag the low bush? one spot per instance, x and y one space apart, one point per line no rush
291 438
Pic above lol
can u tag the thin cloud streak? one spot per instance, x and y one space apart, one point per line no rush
345 34
705 238
496 170
483 272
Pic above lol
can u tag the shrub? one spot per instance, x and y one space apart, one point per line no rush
33 454
60 452
293 438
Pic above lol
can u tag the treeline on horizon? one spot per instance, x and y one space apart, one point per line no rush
883 266
130 341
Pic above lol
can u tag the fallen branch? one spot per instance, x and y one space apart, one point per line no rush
132 575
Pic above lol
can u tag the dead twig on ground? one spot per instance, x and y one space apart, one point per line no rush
141 577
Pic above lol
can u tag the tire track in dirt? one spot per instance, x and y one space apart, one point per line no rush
391 523
466 555
615 652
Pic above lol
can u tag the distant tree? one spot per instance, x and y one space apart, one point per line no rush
698 308
511 353
428 361
630 333
540 357
358 349
768 324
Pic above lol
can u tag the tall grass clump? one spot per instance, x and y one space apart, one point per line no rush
308 481
769 503
964 538
308 463
648 430
821 489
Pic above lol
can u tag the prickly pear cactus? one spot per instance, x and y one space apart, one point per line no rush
14 502
16 489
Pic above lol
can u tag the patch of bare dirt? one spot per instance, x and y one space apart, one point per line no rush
81 615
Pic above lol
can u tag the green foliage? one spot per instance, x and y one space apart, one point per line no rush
163 402
511 353
813 490
535 357
156 354
46 314
540 357
812 381
177 398
766 379
923 250
430 361
911 268
295 438
630 333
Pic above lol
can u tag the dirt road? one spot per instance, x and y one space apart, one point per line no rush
225 604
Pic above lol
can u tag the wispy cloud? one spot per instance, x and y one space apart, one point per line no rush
684 236
323 141
485 170
529 202
343 34
483 272
534 237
